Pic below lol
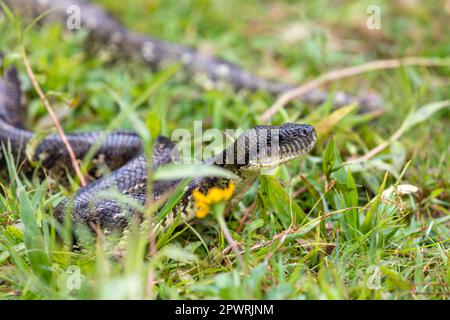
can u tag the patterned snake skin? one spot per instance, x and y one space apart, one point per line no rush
94 204
117 148
121 151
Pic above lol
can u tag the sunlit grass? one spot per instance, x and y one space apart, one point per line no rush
323 227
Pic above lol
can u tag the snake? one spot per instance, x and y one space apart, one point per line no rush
263 146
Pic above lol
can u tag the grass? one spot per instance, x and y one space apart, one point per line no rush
361 241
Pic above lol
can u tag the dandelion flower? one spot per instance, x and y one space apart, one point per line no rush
215 195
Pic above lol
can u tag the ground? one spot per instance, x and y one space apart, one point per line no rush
364 240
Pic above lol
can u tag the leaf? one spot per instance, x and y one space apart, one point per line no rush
167 234
424 113
325 125
4 254
38 19
39 260
448 269
329 157
395 278
304 230
312 190
419 276
174 198
160 79
7 11
180 171
254 225
178 254
257 276
275 197
33 144
369 220
351 200
332 163
153 124
398 155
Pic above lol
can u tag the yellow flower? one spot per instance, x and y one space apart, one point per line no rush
201 213
215 195
228 192
199 197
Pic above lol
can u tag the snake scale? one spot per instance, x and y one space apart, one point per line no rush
122 151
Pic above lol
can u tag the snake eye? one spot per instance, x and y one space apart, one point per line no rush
305 132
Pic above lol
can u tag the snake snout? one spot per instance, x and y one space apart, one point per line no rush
291 133
265 145
307 132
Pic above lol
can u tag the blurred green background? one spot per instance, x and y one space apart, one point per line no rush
291 41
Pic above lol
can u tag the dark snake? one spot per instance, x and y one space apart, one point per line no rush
122 151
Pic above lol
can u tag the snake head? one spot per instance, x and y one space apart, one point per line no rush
267 146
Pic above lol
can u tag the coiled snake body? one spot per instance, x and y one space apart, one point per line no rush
121 151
